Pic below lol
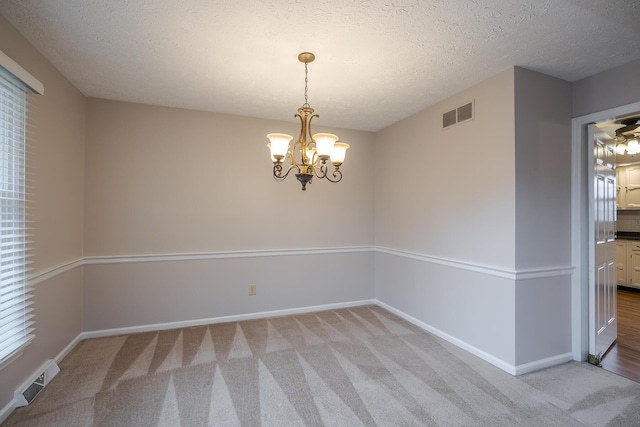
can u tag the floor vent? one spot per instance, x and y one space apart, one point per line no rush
458 115
34 386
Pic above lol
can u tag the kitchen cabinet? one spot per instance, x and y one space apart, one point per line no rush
620 183
633 271
621 263
628 187
628 263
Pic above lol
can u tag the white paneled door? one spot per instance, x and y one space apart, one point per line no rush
603 323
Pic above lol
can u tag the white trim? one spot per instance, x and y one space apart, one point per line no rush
221 319
544 272
6 362
7 410
483 269
38 278
579 240
536 365
478 268
222 255
453 340
14 68
65 351
499 363
13 404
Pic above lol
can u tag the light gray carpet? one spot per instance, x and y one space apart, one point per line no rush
349 367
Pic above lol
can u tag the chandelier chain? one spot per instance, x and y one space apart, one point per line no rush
306 86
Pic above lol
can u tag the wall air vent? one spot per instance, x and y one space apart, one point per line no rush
458 115
31 388
449 118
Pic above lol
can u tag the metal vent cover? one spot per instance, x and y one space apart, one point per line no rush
458 115
25 394
449 118
465 112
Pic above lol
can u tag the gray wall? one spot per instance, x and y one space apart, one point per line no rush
543 175
478 229
612 88
57 210
445 210
133 294
451 192
543 215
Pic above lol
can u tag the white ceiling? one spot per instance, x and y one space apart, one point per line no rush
377 61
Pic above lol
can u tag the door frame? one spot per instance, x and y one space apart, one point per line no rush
580 220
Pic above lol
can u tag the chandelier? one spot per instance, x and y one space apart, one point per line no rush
629 144
307 158
628 136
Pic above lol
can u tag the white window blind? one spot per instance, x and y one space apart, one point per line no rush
16 316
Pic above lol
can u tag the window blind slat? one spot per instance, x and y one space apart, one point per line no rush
10 293
13 321
10 338
16 342
16 305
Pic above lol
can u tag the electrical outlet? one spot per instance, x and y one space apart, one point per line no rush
252 289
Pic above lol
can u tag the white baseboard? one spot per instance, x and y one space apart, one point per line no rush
536 365
7 410
221 319
499 363
453 340
68 348
13 404
511 369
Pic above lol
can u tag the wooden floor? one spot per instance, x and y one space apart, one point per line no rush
624 356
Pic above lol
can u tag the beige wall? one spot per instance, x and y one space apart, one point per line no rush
57 156
164 180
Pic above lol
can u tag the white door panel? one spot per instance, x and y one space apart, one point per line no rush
603 327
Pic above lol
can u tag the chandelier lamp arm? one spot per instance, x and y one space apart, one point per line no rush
305 149
311 117
278 175
322 172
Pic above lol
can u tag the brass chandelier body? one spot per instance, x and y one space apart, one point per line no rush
309 154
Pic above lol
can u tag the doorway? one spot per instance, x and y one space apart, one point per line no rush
580 224
623 357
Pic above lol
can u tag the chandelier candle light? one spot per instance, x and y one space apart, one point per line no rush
307 158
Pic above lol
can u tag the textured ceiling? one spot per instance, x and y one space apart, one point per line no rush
377 61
